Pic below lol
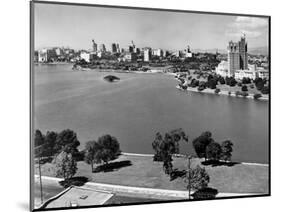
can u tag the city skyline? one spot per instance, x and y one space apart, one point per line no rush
67 27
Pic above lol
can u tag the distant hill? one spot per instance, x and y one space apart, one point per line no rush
258 50
255 51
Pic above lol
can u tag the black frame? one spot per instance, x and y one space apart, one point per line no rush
31 159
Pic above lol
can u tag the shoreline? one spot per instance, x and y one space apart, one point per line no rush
205 91
222 92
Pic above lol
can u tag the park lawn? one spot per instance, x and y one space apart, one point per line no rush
144 172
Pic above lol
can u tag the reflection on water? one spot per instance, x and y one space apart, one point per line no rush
140 105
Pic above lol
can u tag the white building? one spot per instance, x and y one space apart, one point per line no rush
222 69
85 56
147 55
251 73
262 72
157 52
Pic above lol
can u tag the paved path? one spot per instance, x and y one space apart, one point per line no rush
143 192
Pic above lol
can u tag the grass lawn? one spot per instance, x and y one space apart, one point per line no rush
144 172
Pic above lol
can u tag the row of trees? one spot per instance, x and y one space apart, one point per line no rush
62 147
53 143
205 147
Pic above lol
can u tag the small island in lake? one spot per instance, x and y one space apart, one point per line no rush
111 78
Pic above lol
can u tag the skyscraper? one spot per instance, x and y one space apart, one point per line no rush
147 55
102 48
233 58
95 46
114 48
243 53
237 56
118 48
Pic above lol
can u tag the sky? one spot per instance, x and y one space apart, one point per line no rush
76 26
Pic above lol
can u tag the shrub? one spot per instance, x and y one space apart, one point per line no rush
217 91
232 82
74 181
239 84
221 80
238 93
257 96
265 90
244 88
244 94
252 86
205 193
229 93
200 88
246 80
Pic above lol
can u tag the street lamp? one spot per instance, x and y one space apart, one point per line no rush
40 179
189 170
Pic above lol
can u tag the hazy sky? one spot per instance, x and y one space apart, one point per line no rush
76 26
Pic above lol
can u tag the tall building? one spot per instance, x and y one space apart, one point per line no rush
237 56
147 55
95 46
233 57
243 53
187 52
114 48
118 48
102 48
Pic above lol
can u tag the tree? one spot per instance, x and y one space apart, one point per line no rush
213 151
246 80
67 141
226 150
200 143
212 83
91 148
65 164
156 147
221 80
165 147
259 82
108 149
265 90
49 145
38 138
197 178
244 88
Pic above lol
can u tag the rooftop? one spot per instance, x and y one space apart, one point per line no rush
78 196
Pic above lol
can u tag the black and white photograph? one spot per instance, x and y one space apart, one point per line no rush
135 105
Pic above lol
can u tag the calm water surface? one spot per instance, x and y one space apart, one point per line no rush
140 105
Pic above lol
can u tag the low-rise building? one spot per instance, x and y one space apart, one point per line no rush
46 55
251 73
222 69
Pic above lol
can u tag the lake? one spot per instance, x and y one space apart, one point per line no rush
140 105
